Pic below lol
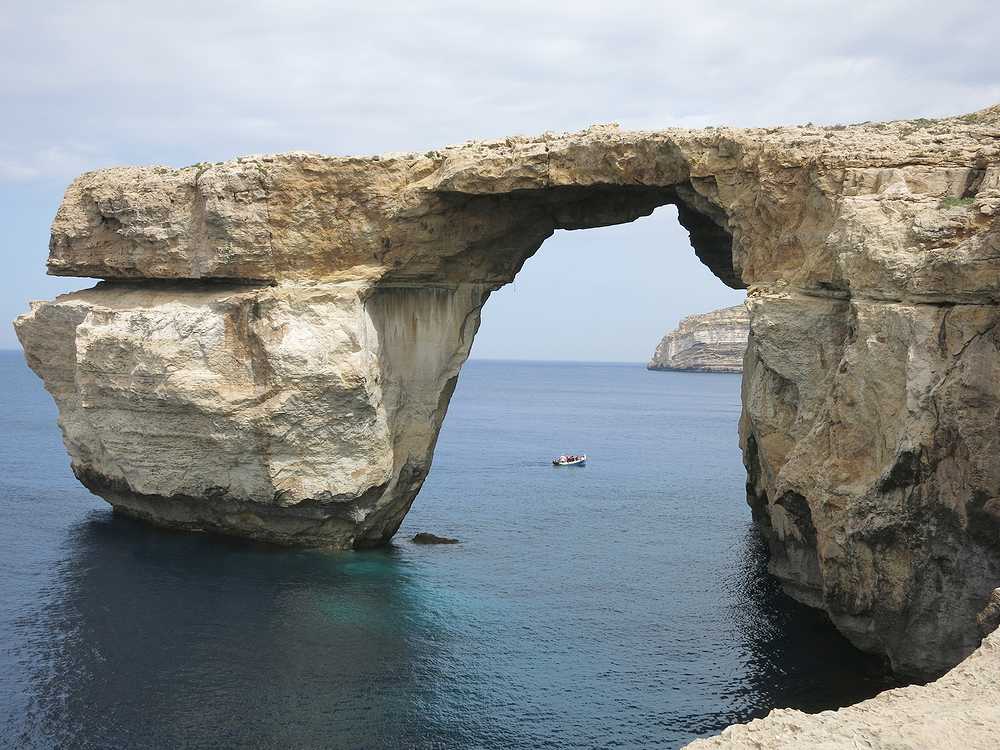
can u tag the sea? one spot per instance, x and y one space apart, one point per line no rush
622 604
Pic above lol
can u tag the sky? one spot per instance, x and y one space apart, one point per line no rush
96 84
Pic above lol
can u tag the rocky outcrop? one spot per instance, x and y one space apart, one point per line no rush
710 342
960 711
296 413
425 537
989 618
274 347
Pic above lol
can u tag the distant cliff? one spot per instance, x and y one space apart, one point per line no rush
711 342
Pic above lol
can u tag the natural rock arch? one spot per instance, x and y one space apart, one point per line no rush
275 345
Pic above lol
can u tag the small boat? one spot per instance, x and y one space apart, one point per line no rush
570 460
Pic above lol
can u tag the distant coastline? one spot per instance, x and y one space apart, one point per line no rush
709 342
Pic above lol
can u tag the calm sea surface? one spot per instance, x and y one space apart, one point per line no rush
623 604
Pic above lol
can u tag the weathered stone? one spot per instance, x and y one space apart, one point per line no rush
989 618
275 348
289 414
709 342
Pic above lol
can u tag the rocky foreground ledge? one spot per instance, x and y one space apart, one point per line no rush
707 342
274 346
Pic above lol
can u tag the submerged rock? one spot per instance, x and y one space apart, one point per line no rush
426 538
277 339
709 342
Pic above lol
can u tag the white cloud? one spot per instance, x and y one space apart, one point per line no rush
49 162
92 84
10 170
184 81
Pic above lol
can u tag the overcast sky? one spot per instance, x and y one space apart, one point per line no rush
87 85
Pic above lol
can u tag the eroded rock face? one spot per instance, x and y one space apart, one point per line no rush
274 348
708 342
287 413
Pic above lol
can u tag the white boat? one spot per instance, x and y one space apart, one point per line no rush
570 460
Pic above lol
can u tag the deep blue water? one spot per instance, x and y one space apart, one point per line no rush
623 604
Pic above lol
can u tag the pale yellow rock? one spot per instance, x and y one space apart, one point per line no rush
271 412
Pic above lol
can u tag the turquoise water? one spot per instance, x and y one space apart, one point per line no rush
622 605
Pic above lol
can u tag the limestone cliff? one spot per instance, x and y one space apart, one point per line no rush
274 347
710 342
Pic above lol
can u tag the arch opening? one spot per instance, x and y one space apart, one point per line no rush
496 233
651 502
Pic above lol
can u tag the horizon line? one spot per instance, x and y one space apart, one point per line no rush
567 361
485 359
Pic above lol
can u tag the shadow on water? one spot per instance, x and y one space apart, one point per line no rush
157 639
793 655
770 652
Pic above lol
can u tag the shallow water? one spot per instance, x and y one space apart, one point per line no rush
623 604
